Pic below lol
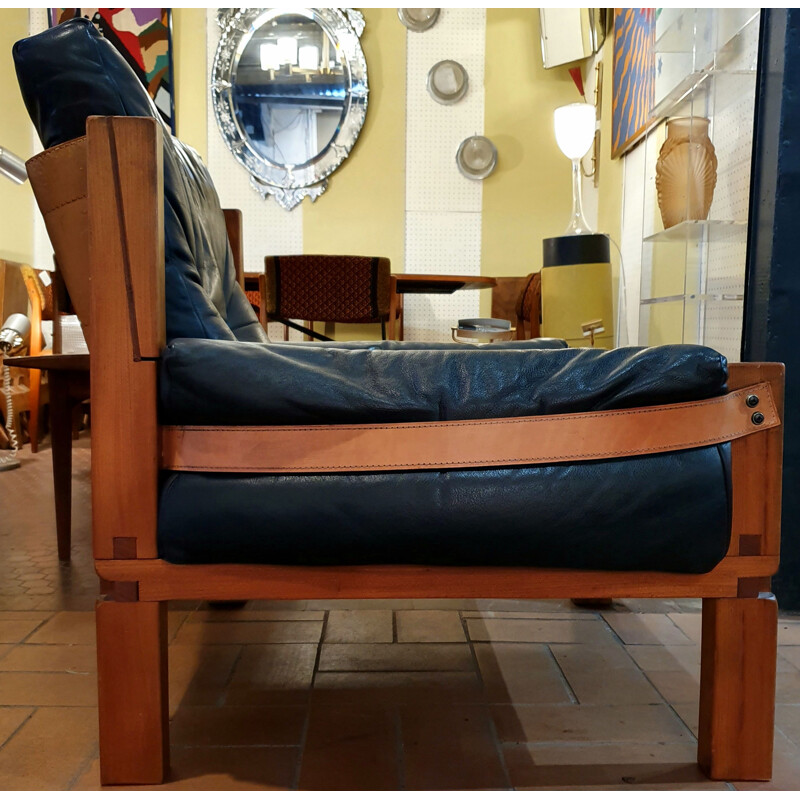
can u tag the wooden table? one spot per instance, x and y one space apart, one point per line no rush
68 376
401 283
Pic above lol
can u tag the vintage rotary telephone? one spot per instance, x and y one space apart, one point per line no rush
13 334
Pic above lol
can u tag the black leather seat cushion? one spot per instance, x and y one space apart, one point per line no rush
69 73
225 383
668 512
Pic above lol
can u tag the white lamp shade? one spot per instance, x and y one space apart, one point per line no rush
269 56
575 125
287 50
308 57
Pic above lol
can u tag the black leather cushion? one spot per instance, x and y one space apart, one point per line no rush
222 383
71 72
667 512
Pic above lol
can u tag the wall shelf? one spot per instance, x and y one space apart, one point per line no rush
695 45
702 230
703 298
692 274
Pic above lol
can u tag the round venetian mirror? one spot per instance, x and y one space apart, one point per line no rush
289 90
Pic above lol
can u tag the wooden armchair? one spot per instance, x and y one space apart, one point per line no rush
117 181
16 297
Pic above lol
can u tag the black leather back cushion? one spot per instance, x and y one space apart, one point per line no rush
69 73
219 383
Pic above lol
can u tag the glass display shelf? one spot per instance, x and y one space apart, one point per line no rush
693 90
654 301
702 230
691 285
703 298
692 30
696 46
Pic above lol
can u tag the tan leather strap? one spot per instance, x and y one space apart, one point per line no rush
469 443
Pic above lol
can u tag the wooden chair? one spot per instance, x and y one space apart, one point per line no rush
20 294
66 385
40 310
325 288
123 212
520 298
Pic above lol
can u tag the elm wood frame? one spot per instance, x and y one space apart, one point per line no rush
126 269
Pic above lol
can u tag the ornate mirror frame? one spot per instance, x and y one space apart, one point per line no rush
290 184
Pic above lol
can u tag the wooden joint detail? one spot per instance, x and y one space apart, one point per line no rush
753 587
120 591
749 544
124 547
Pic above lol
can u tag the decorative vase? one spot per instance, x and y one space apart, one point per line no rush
686 171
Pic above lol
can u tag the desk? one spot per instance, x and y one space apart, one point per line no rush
68 376
402 283
416 283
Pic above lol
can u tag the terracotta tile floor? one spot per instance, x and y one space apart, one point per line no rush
361 695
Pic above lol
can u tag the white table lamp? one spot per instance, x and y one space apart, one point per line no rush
575 127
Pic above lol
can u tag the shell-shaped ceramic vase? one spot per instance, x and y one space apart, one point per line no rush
686 171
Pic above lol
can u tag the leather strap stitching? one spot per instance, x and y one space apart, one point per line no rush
61 205
763 390
471 423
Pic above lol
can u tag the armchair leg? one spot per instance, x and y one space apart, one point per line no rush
132 686
61 453
737 687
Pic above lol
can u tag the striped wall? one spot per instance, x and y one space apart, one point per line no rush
400 194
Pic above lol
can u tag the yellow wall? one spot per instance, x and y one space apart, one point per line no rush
363 211
610 175
16 202
191 88
529 196
609 210
525 200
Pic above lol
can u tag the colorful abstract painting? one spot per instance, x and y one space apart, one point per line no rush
634 76
143 36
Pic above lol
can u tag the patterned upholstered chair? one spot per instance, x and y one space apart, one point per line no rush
227 467
325 288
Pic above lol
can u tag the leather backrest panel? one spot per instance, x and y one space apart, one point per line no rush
58 178
71 72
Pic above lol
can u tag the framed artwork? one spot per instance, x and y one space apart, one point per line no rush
633 80
144 37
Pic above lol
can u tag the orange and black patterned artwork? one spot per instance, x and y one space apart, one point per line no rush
143 36
634 76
